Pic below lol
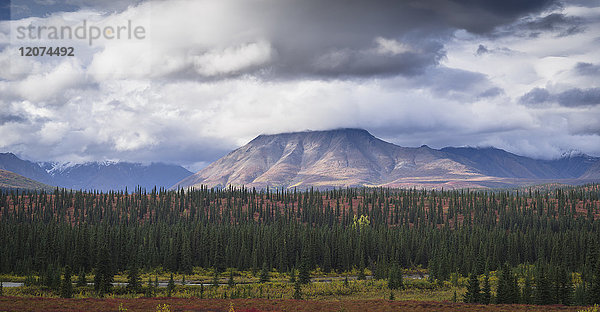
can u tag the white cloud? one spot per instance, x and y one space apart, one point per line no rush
391 46
190 92
233 59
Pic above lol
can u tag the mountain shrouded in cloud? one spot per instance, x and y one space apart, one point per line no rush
210 75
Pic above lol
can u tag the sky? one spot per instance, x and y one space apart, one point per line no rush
205 77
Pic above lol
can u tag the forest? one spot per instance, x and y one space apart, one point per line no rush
536 245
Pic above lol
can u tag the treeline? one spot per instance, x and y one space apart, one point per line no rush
445 231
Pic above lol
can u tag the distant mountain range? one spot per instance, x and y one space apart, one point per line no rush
322 159
354 157
102 176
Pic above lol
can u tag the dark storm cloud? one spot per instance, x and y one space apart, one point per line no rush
333 38
482 50
570 98
491 92
451 82
587 69
6 118
579 97
557 23
536 97
371 62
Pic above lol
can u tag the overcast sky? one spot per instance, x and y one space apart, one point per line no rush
208 76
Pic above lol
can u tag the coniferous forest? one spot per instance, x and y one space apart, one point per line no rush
542 242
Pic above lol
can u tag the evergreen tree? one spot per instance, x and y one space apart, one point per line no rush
472 294
298 290
527 293
215 281
66 288
149 288
304 271
103 277
170 286
361 270
543 288
81 279
380 270
594 290
507 291
264 274
134 283
486 294
293 276
565 287
395 280
327 259
231 282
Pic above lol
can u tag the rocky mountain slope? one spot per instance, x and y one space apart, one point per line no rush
354 157
12 181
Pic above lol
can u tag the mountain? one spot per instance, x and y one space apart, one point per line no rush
102 176
499 163
354 157
31 170
12 181
114 175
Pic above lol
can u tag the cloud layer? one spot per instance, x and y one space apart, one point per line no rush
211 75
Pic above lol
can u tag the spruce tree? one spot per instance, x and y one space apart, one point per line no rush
103 277
298 290
293 276
304 271
486 294
380 270
81 279
543 288
134 284
66 288
472 294
264 274
594 289
527 293
395 280
215 281
361 270
149 288
231 282
507 291
565 293
170 286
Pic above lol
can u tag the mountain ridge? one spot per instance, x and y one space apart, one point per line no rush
12 181
103 176
349 157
